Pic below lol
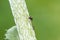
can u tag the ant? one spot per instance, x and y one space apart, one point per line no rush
30 18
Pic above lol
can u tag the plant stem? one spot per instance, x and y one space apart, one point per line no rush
22 21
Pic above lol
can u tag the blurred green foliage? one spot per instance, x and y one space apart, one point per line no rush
46 18
6 18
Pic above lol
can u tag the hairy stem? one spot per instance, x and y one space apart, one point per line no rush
22 21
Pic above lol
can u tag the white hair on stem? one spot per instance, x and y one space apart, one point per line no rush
22 21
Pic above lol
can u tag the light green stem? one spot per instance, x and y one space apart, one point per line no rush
22 21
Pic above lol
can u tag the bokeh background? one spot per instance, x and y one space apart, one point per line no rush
46 18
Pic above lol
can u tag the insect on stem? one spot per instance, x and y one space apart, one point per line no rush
30 18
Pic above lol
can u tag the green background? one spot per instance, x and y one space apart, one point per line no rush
46 18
